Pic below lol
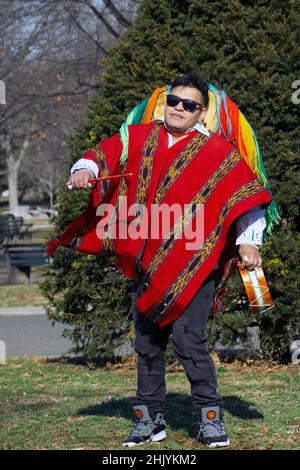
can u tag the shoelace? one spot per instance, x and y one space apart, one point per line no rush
217 424
139 426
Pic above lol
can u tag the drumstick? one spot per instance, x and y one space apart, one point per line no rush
102 178
92 180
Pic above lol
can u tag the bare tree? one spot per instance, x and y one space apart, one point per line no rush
51 59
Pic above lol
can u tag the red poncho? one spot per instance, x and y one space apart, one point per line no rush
196 170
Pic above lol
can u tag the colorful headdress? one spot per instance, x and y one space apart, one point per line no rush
224 118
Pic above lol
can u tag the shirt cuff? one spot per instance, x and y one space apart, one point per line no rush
250 227
85 164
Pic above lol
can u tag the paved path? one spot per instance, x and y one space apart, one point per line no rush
20 311
28 332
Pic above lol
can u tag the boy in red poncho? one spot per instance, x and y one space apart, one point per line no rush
175 160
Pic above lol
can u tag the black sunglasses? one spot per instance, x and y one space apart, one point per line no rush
188 105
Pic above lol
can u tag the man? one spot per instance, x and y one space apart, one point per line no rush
206 169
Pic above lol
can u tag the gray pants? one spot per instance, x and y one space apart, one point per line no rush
190 346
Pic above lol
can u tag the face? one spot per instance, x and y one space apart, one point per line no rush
177 119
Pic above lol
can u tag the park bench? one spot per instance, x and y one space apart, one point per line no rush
23 257
12 229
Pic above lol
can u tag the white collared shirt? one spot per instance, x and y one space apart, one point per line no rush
198 127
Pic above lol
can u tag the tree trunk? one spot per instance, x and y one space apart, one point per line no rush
13 164
12 175
51 198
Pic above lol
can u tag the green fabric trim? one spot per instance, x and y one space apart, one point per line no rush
134 117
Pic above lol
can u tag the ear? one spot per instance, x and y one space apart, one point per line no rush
202 115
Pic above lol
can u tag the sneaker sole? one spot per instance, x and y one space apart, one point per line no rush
156 438
219 444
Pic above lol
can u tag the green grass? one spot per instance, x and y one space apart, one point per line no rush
57 405
21 296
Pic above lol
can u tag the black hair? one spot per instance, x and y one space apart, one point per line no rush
193 80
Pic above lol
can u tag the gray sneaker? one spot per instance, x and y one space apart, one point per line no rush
145 429
212 432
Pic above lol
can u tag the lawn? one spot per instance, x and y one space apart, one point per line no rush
21 296
51 404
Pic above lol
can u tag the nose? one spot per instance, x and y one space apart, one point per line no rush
179 106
